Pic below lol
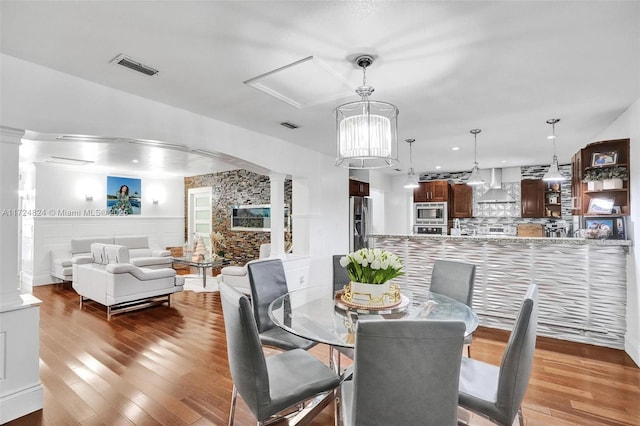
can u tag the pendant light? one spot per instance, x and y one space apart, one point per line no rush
367 131
412 181
553 174
474 178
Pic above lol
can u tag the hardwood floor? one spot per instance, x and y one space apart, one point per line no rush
168 365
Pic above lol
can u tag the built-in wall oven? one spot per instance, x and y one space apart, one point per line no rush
430 230
430 214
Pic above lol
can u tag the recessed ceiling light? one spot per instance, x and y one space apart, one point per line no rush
438 167
455 148
504 161
135 161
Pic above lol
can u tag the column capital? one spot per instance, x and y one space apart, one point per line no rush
11 135
277 177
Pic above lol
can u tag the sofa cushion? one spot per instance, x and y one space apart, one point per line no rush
133 242
83 245
146 274
120 268
152 261
139 252
116 253
97 254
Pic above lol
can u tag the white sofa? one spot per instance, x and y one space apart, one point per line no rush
107 277
238 276
140 254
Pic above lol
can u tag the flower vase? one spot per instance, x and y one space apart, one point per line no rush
612 184
369 294
595 185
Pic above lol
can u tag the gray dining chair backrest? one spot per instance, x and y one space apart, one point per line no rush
246 358
497 393
454 279
267 385
268 281
405 372
340 277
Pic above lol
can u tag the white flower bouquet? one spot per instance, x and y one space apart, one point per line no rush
372 266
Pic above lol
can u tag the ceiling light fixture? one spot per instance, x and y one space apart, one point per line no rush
475 178
553 174
367 131
412 181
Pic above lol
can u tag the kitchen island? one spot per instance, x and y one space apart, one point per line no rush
582 282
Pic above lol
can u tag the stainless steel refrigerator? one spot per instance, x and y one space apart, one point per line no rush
359 222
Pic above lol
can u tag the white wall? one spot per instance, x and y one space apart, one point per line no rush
57 194
628 126
44 100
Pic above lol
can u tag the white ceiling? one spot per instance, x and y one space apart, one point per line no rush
505 67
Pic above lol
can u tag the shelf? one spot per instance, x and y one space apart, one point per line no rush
607 190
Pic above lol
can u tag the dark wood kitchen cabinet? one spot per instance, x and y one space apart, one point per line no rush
583 160
358 188
431 191
532 197
460 200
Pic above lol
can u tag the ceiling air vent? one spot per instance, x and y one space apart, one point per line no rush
289 125
130 63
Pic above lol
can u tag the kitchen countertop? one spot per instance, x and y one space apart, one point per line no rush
511 239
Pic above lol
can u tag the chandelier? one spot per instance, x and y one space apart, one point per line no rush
367 131
553 174
475 178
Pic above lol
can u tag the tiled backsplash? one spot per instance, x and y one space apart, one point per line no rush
506 213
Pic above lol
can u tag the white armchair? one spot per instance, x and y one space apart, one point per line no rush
238 276
108 278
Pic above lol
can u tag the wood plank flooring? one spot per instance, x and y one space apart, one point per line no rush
168 365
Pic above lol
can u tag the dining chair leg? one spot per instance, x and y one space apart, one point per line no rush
232 411
520 417
468 351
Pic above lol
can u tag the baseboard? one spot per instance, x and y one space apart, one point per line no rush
20 403
632 348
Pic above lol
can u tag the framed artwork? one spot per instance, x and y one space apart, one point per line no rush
124 195
600 206
602 159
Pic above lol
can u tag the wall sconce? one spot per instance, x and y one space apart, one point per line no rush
88 197
155 201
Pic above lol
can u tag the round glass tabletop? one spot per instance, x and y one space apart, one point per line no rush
311 313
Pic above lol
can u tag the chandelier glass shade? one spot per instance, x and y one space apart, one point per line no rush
367 131
412 180
475 178
553 174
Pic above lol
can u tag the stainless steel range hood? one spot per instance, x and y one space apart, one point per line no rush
496 194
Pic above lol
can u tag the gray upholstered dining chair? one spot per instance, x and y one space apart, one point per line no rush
340 277
497 392
267 385
405 372
455 280
268 282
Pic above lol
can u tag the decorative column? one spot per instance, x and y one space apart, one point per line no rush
20 388
277 214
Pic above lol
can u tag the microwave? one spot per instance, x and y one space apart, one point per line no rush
430 214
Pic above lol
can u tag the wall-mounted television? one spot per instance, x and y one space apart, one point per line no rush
254 217
605 227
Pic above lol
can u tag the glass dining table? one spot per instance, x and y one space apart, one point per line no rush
311 313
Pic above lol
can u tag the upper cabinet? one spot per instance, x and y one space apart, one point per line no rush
532 197
358 189
460 200
600 178
431 191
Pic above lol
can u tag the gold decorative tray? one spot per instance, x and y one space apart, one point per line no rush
390 308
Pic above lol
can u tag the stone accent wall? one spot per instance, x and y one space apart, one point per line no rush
236 187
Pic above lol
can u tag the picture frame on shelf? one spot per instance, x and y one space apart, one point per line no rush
600 206
604 159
